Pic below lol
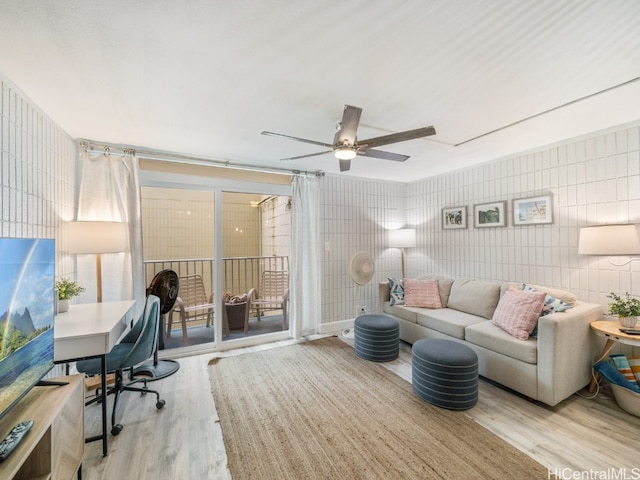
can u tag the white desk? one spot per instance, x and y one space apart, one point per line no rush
91 330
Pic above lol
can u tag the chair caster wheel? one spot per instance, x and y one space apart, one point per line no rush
160 404
116 429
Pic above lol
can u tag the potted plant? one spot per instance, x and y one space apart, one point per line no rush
67 289
236 307
627 309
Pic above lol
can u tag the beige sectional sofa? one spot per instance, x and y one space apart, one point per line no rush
548 367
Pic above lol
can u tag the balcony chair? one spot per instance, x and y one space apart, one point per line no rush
135 348
192 304
272 294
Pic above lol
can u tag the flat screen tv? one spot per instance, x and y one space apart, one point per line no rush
27 278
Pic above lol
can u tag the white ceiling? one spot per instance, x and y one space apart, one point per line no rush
205 77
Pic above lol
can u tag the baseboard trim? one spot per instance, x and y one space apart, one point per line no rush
336 327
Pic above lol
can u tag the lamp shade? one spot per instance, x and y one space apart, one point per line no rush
609 240
97 237
402 238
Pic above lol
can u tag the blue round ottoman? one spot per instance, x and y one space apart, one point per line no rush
445 373
377 337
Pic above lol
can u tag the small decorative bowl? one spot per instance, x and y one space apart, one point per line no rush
628 322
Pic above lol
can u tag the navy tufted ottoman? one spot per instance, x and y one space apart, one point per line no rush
377 337
445 373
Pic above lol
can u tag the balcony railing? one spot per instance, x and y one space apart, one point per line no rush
239 274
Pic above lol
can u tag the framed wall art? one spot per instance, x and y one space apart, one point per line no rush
490 215
533 210
454 218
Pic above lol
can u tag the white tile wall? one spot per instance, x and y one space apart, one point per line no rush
37 177
241 226
176 223
355 215
276 226
593 179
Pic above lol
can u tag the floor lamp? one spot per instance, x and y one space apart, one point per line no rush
402 238
93 237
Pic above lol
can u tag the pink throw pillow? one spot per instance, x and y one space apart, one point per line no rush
518 311
421 293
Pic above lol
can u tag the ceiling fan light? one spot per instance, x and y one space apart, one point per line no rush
345 153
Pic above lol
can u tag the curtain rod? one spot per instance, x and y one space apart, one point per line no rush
91 146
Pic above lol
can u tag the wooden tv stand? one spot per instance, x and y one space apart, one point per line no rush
54 446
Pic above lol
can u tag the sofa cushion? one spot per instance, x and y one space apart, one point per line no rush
396 291
476 297
421 293
518 312
409 314
551 303
448 321
487 335
444 285
566 297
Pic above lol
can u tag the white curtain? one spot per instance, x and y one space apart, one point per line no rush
110 191
305 256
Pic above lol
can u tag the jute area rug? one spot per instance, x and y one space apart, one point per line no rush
315 410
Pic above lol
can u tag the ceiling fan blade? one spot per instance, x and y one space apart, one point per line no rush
305 156
345 165
271 134
397 137
348 125
396 157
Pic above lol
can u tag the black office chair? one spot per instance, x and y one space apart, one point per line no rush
136 347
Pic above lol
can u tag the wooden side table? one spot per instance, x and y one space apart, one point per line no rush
611 330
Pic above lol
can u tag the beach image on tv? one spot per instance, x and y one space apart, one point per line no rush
27 269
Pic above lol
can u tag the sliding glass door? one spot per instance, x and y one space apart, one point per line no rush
230 245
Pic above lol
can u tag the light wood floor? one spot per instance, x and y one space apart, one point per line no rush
184 439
